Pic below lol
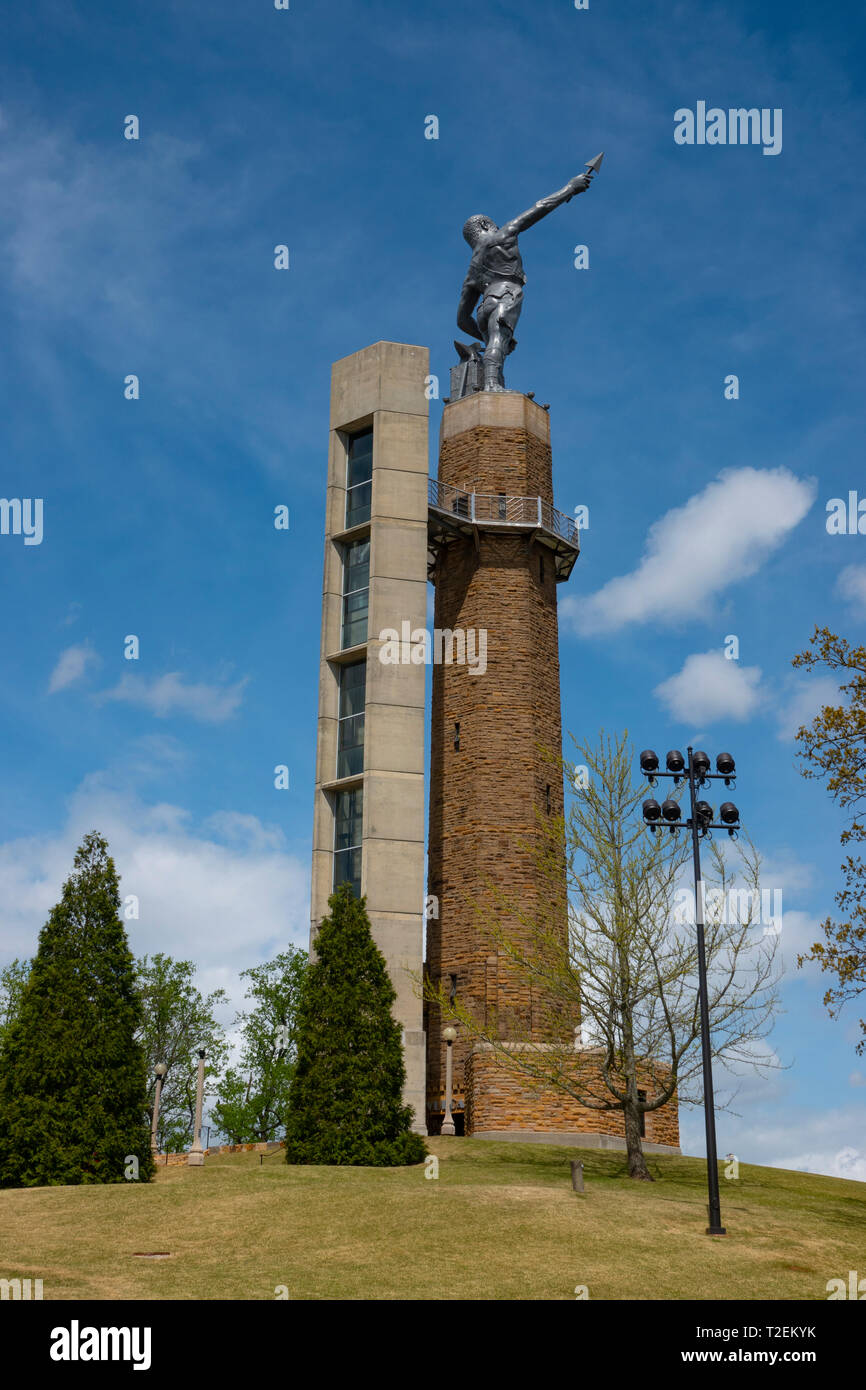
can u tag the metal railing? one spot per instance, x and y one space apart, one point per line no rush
498 508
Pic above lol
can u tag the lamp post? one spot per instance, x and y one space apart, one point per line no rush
195 1157
159 1072
700 823
448 1034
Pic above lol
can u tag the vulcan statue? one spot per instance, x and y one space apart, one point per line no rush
496 278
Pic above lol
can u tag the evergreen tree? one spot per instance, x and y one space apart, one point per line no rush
345 1100
72 1075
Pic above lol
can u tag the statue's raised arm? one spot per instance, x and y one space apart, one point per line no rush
496 279
545 205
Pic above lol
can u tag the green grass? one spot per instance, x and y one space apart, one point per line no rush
500 1222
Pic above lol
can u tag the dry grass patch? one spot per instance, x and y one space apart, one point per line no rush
500 1222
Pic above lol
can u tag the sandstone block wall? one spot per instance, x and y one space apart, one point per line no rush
490 779
174 1160
500 1099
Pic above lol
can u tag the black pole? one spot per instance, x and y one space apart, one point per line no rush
715 1227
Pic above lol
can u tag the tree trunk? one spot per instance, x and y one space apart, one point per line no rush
636 1162
631 1110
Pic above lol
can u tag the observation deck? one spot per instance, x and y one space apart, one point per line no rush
452 512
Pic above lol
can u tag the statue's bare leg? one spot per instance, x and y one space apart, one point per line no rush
497 320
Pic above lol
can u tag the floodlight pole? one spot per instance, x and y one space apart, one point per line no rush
715 1227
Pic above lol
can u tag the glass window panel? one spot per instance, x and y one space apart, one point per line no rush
356 566
360 458
359 504
350 746
355 609
350 755
356 580
347 869
353 684
348 818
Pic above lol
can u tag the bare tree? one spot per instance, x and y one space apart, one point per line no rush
623 963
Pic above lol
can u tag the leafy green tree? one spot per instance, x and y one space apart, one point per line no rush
175 1018
13 978
345 1100
252 1098
72 1073
834 747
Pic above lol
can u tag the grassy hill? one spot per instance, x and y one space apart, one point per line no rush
500 1222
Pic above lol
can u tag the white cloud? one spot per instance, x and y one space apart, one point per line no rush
831 1142
784 881
239 829
851 585
165 695
224 906
71 665
719 536
800 931
857 1079
847 1162
787 869
754 1081
709 688
809 695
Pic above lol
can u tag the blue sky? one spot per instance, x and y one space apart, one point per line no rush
155 257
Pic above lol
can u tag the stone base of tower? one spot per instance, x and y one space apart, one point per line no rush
502 1103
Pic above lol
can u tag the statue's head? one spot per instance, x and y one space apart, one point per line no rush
474 229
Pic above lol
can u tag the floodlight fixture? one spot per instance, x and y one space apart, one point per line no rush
701 764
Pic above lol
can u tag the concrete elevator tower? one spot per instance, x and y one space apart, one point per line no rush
368 826
498 550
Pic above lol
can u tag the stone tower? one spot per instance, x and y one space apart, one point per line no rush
498 550
486 532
